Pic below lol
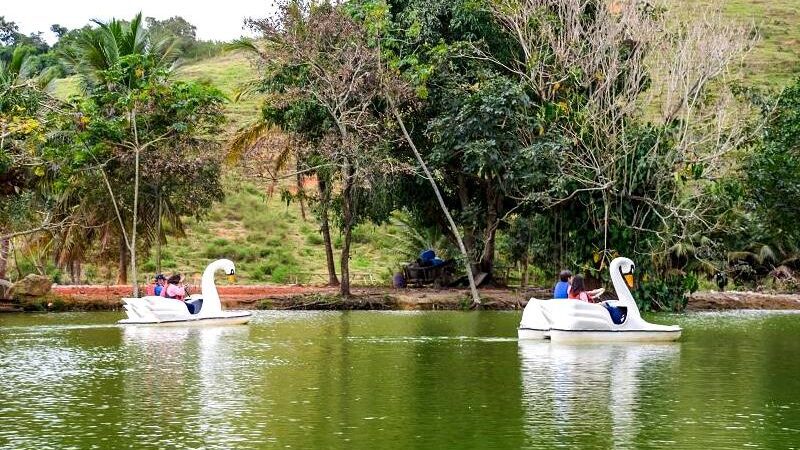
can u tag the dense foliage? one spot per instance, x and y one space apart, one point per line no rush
560 134
131 153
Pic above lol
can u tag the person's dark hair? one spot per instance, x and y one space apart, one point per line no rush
160 277
564 275
174 279
578 285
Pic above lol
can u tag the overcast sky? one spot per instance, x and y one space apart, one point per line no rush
218 20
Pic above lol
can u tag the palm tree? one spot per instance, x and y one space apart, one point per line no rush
95 52
99 49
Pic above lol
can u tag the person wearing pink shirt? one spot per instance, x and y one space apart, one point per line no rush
174 289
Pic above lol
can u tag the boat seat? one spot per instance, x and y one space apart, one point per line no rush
617 313
194 305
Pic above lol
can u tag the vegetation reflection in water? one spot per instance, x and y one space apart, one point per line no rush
361 379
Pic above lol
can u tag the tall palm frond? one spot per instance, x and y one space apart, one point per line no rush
246 138
98 49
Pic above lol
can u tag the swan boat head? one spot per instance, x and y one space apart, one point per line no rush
225 265
622 277
625 268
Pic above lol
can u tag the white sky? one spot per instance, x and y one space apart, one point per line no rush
218 20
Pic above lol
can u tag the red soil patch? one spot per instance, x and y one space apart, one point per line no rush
230 295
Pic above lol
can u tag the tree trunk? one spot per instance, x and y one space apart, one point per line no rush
325 196
4 246
344 287
347 222
463 198
301 194
134 225
476 299
158 229
525 271
122 276
487 257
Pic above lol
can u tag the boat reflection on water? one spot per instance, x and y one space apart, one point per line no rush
587 395
186 379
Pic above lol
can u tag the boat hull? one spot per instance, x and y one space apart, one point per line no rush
573 336
532 334
232 318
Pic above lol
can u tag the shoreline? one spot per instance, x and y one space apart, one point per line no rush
289 297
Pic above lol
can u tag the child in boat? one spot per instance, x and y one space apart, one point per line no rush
561 290
174 289
157 286
578 290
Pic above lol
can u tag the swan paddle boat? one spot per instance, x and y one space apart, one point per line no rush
154 310
566 320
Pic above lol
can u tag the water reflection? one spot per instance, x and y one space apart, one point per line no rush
581 394
184 382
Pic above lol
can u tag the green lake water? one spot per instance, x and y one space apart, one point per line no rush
394 380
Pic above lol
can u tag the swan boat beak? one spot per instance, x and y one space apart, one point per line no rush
628 280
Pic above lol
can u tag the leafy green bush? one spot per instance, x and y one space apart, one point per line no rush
665 294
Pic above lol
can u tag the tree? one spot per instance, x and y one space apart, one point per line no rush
338 73
135 114
175 29
97 50
607 65
464 118
9 32
58 30
25 110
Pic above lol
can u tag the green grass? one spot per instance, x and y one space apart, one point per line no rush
228 72
775 60
271 243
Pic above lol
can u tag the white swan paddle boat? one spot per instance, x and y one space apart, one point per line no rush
566 320
154 310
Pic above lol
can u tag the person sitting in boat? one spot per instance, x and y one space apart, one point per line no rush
561 290
174 288
157 286
578 290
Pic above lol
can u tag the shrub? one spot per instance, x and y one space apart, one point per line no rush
281 274
314 239
665 294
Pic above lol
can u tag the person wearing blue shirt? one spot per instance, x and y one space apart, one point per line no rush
561 290
160 280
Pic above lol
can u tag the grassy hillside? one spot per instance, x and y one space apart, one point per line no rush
776 58
270 242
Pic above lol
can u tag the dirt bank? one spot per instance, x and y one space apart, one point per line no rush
710 301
